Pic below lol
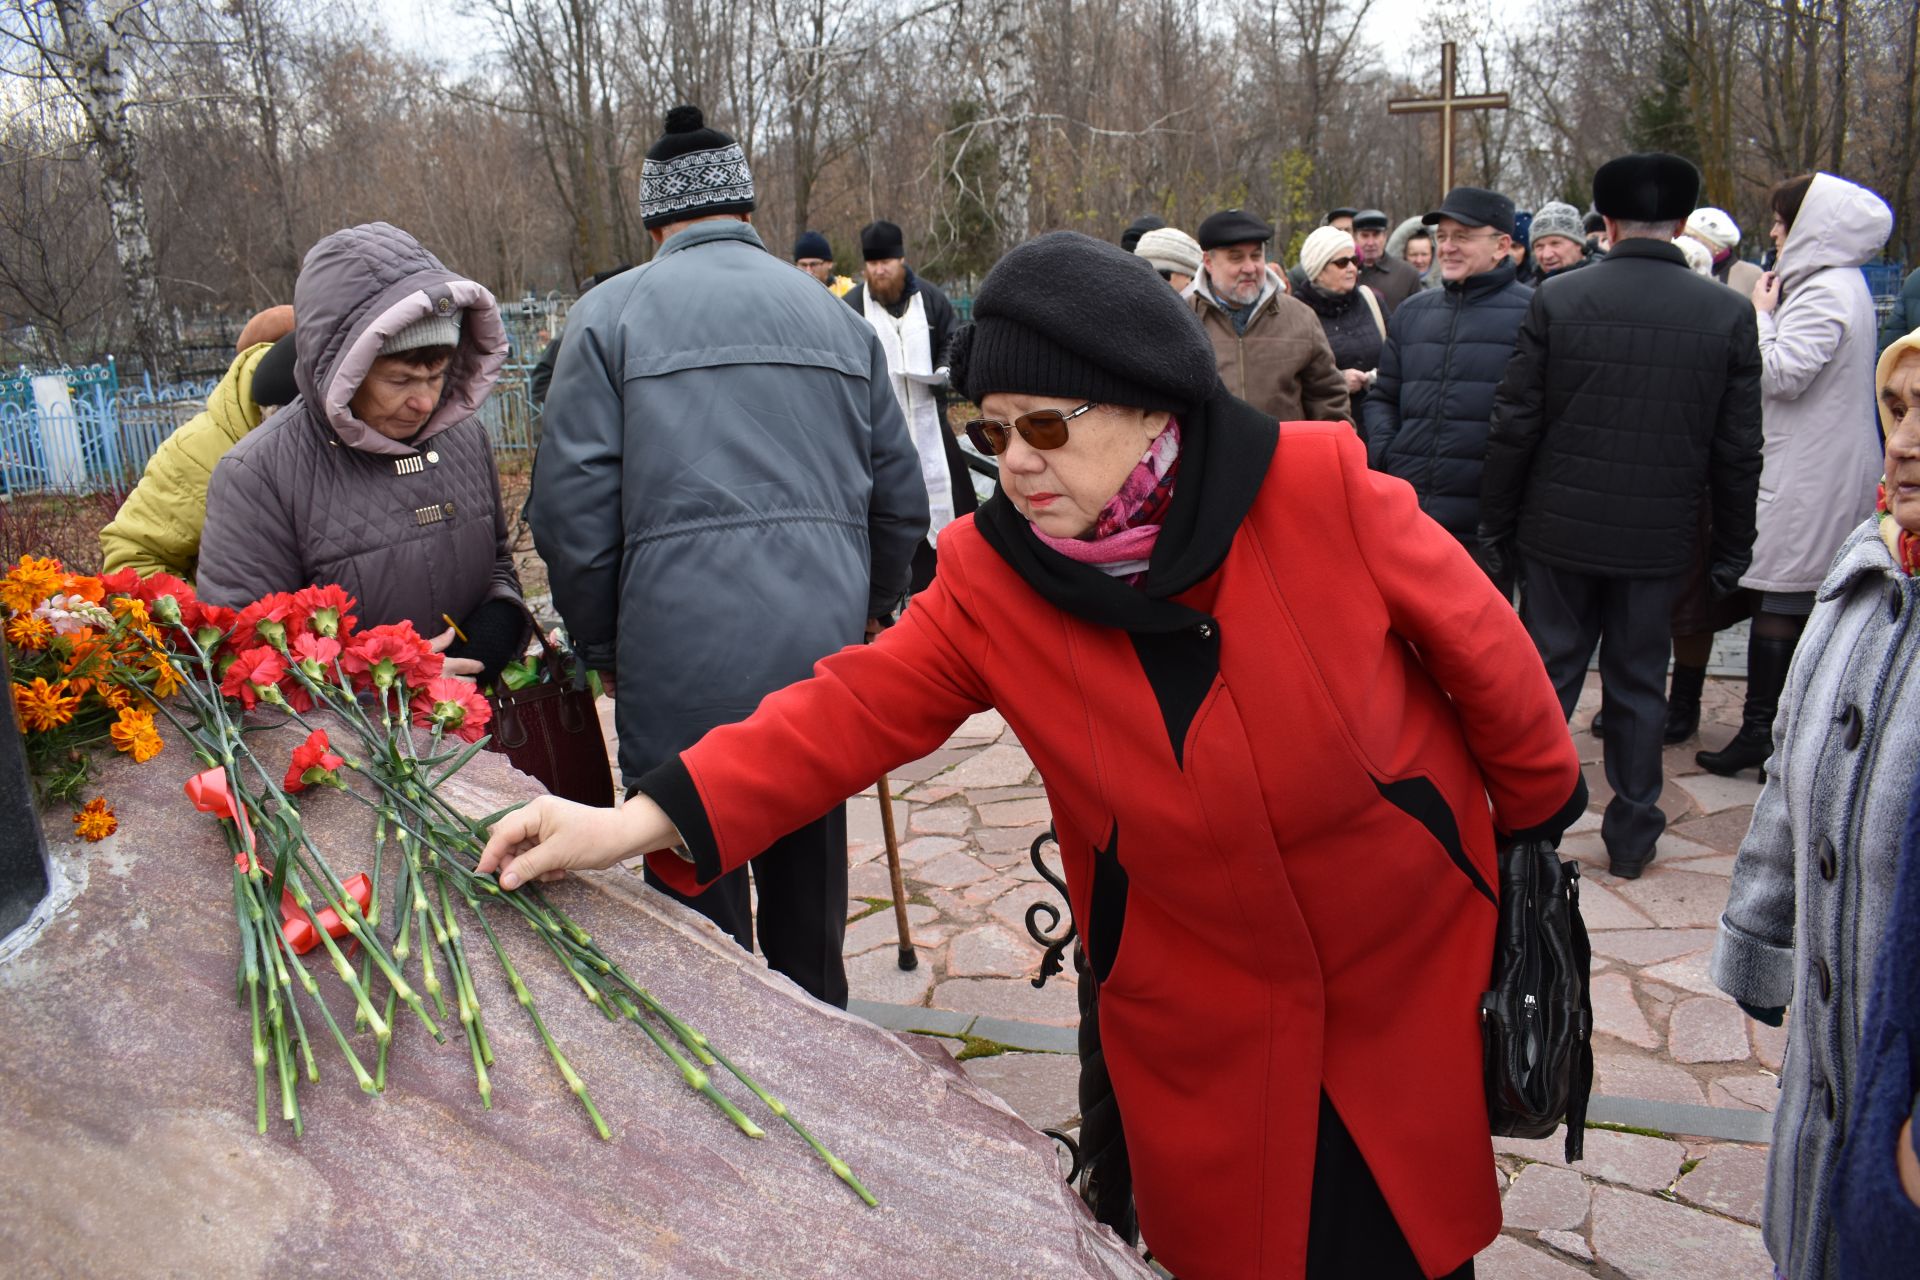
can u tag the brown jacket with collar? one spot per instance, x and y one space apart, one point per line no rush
1282 364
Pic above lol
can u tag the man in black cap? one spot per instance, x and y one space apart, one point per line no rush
725 494
814 255
916 325
1446 350
1627 429
1272 350
1391 280
1341 218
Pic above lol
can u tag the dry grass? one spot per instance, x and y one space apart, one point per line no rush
65 526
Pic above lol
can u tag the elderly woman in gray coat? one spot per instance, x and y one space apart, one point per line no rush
380 477
1816 873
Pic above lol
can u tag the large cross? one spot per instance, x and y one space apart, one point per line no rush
1446 104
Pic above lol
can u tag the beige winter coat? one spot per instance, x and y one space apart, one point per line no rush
1282 365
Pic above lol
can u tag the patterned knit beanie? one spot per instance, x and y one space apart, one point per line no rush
692 172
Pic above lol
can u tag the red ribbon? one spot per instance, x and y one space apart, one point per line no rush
210 794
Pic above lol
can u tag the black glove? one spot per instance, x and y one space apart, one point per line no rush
496 632
1772 1017
1723 579
1495 554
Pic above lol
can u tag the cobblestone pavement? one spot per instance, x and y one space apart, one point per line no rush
1638 1206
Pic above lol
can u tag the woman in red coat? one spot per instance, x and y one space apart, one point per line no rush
1281 716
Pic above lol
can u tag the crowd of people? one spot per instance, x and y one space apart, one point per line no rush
1289 585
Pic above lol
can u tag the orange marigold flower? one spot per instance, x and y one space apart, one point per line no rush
42 706
89 589
29 582
95 821
29 631
166 677
134 734
115 696
128 607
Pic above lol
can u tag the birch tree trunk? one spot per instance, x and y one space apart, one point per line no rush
1007 65
98 75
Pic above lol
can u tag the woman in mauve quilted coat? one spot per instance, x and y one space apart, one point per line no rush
1280 715
380 477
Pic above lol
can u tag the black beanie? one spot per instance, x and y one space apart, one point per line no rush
693 171
1067 315
880 240
811 244
273 375
1130 238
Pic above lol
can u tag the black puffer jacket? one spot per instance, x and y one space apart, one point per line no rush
1633 394
1429 410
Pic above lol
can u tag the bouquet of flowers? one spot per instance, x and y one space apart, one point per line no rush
84 666
288 655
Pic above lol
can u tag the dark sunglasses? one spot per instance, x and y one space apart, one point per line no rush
1042 429
1341 262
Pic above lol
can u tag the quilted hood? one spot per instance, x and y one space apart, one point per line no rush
357 288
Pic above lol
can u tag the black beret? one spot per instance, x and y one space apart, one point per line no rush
1649 187
1475 207
1130 238
880 240
1067 315
1232 226
1370 219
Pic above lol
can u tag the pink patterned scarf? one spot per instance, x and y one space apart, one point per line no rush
1121 541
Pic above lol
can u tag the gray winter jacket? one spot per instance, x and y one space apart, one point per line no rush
412 530
726 490
1815 875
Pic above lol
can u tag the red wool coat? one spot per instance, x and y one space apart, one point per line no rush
1279 844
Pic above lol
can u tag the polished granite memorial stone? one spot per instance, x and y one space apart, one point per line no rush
127 1142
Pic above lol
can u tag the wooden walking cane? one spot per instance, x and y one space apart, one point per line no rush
909 958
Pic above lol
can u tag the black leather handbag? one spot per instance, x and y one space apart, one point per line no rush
551 731
1536 1021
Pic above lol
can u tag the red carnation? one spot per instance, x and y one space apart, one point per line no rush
209 623
270 620
327 610
254 677
379 656
455 706
313 765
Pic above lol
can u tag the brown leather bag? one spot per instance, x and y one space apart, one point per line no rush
551 731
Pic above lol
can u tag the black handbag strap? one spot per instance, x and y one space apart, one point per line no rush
1582 1084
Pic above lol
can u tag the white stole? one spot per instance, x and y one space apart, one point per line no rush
907 343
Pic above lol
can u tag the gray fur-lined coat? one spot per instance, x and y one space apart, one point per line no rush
1815 875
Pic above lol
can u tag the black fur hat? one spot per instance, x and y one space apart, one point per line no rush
1650 187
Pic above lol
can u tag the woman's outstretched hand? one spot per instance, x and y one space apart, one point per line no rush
549 837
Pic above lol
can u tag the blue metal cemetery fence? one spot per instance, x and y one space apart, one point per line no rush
78 430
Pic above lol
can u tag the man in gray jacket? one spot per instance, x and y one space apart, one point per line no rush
726 492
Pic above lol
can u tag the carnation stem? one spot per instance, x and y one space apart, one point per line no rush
525 998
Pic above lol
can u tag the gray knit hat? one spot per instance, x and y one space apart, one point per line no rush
1557 218
428 331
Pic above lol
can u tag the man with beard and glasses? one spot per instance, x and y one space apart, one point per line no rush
916 326
1270 347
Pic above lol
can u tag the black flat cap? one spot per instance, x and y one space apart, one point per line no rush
1649 187
1342 212
1232 226
1067 315
1370 220
1475 207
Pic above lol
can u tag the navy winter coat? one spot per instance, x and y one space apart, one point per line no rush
1429 411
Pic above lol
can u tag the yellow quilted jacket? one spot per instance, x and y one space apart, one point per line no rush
157 528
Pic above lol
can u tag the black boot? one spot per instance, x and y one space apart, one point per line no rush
1595 726
1767 662
1683 702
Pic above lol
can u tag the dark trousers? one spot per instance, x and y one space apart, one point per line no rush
1351 1232
1567 613
802 885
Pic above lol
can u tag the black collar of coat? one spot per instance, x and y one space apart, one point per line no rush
1642 247
1474 288
1225 448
